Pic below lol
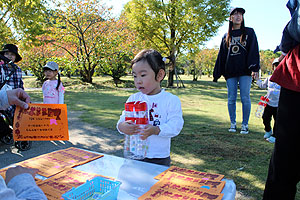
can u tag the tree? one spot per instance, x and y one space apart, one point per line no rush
173 26
36 56
121 47
21 19
81 30
266 59
205 60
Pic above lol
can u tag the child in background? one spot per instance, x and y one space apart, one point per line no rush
165 118
53 90
271 108
10 51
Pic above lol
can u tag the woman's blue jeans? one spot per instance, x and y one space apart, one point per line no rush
244 83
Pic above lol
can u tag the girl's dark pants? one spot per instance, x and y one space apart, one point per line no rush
284 168
269 112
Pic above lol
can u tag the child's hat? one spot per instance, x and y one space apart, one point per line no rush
11 48
51 65
241 10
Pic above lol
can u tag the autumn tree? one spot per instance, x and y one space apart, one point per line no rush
172 26
36 56
81 29
205 60
266 59
121 46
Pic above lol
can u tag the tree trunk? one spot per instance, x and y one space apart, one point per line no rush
194 72
170 77
86 77
171 69
173 49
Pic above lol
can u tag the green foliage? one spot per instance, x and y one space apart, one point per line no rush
115 66
174 26
266 59
36 56
81 30
21 19
120 49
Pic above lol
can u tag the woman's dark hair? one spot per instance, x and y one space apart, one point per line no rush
58 79
243 36
153 58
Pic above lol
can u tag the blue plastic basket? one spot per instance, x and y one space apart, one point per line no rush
108 188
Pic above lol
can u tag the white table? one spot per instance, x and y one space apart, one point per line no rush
136 177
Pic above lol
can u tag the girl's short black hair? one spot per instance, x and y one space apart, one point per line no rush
153 58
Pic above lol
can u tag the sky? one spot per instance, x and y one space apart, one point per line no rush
267 17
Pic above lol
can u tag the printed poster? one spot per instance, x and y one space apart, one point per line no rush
166 190
41 122
193 173
55 162
204 183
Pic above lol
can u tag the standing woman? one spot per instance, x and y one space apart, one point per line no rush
237 61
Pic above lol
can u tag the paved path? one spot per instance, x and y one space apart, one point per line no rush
82 135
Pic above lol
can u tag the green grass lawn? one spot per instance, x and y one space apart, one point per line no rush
204 143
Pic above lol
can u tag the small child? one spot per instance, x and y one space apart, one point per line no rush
53 90
271 108
15 81
165 118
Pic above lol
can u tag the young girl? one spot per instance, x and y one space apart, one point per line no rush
53 90
165 118
272 106
238 58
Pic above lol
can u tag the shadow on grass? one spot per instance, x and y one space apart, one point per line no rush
243 158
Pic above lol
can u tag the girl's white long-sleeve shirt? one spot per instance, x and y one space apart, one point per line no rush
273 91
165 112
50 94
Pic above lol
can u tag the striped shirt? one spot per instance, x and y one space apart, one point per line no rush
15 81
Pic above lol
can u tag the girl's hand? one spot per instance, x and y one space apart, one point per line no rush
255 75
129 128
148 131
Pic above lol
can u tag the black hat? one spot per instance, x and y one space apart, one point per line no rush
11 48
241 10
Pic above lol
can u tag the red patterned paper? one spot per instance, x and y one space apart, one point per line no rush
55 162
166 190
193 173
204 183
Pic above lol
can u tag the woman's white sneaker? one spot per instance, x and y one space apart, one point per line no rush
232 128
244 129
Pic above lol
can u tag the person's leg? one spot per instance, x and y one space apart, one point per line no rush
267 117
284 173
274 113
232 84
245 85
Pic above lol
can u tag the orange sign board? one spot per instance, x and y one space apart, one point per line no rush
41 122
